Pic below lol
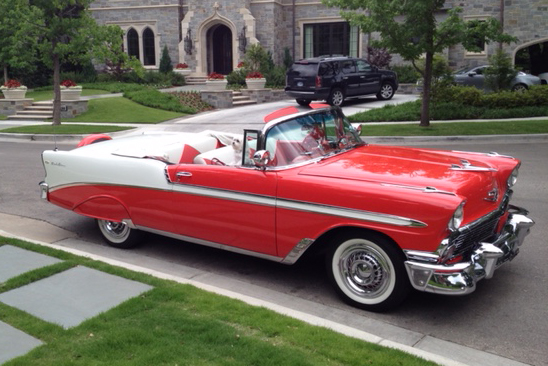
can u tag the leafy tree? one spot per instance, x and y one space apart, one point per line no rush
165 62
379 57
500 72
410 28
67 32
17 37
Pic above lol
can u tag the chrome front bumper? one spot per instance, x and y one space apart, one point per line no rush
461 278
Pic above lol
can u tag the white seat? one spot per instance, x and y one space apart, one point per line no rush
222 156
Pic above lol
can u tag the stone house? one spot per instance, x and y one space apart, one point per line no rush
213 35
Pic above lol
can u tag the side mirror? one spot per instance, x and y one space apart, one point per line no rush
261 158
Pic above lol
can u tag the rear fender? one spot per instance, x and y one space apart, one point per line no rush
104 208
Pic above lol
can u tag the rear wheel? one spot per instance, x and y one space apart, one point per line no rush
386 92
368 272
119 234
336 97
303 102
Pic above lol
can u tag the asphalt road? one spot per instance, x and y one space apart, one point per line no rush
507 315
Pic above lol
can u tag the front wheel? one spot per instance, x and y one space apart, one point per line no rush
119 234
386 91
336 97
368 271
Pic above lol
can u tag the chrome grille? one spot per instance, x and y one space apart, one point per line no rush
467 241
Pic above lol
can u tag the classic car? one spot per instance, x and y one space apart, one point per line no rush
386 219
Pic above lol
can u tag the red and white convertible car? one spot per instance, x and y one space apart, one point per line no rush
387 219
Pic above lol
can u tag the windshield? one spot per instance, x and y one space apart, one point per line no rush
311 136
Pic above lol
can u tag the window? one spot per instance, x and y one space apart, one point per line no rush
475 28
149 48
133 43
363 66
330 39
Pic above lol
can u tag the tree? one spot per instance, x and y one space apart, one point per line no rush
410 28
165 62
17 37
499 74
67 32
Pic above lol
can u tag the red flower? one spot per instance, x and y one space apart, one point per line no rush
12 83
68 83
215 76
181 66
241 64
254 75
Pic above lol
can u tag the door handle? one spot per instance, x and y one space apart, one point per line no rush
183 174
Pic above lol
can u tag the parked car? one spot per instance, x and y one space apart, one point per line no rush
475 77
543 78
386 219
334 79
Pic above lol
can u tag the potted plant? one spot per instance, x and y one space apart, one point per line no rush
12 89
255 80
216 81
182 68
70 90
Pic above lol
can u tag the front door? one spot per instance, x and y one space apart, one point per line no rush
220 56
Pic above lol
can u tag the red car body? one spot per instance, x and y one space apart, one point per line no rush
387 218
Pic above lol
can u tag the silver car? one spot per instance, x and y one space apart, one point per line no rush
474 77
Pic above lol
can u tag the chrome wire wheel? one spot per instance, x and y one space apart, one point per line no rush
118 234
368 272
386 91
519 88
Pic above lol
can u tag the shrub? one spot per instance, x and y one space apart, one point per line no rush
406 73
153 98
499 74
236 77
275 78
192 100
379 57
177 79
165 62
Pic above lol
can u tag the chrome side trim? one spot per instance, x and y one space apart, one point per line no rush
270 201
418 188
492 153
298 251
215 245
468 167
349 213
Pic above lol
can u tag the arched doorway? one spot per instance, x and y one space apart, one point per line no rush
219 46
533 58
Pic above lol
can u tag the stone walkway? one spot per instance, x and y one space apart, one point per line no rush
66 298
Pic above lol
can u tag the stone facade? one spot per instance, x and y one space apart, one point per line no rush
9 107
280 24
72 108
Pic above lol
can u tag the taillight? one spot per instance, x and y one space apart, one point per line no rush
318 82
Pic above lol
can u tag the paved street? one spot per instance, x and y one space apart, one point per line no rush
506 316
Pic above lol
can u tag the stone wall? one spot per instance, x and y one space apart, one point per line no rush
218 98
11 106
72 108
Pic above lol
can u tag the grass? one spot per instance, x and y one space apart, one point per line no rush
122 110
458 128
2 117
64 129
180 324
42 95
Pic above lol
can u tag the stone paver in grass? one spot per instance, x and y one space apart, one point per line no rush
15 261
70 297
14 343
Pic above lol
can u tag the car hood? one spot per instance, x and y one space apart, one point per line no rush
409 167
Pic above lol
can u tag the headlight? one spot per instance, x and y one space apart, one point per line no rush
513 178
456 220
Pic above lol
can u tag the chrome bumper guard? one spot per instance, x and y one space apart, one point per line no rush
461 278
44 189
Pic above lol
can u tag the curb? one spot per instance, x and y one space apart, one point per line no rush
307 318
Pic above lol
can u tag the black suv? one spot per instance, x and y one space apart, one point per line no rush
335 78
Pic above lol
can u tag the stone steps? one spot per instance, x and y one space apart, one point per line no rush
38 111
238 99
195 80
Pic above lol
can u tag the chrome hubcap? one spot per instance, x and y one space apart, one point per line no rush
116 231
386 91
365 271
337 98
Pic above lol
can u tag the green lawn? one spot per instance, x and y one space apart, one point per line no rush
48 94
457 128
180 324
2 117
122 110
